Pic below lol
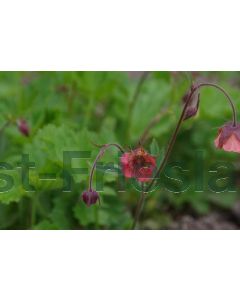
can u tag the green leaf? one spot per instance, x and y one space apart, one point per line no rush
154 148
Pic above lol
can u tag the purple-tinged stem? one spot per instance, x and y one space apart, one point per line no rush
227 96
100 154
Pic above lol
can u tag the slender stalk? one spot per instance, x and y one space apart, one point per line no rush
176 131
100 154
139 208
228 98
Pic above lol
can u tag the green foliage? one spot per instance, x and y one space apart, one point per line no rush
72 111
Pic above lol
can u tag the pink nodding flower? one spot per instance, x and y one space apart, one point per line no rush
228 138
138 164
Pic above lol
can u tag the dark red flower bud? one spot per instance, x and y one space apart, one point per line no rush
90 197
23 127
193 105
228 138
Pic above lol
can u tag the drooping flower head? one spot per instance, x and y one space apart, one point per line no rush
138 164
90 197
228 138
23 127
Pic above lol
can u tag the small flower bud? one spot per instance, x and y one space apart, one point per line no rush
90 197
193 105
228 138
23 127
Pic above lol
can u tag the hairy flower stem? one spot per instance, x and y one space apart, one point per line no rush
174 136
100 154
139 208
234 112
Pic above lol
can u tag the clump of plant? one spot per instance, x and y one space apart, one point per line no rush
140 165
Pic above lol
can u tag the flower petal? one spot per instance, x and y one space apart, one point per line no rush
217 142
125 158
232 144
144 174
127 172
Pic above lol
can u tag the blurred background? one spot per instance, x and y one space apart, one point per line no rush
44 114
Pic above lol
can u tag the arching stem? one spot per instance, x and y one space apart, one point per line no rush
227 96
100 154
